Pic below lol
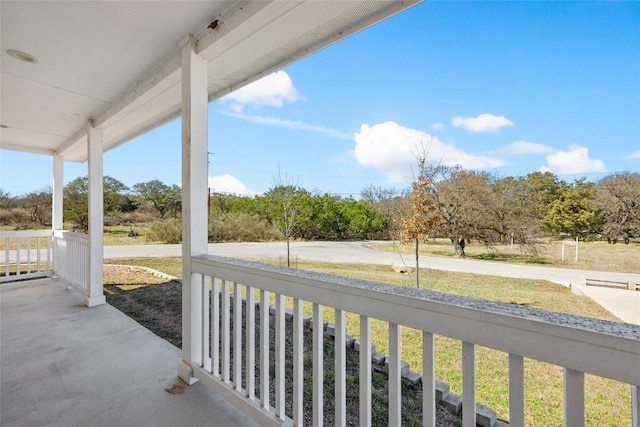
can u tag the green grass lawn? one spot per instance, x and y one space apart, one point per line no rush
607 402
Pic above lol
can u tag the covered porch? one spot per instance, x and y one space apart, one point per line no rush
64 364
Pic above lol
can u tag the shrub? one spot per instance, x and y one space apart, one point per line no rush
167 231
240 227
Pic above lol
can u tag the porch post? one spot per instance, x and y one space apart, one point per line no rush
57 209
96 220
194 202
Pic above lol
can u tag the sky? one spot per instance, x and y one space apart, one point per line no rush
505 87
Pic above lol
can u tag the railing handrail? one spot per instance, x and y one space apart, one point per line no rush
575 342
25 234
71 235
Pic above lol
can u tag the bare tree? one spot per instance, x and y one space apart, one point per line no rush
390 203
617 198
38 204
467 205
288 210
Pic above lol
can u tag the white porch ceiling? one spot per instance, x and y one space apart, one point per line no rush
117 63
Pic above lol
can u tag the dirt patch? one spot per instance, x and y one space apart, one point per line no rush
151 301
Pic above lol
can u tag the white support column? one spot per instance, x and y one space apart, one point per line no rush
58 185
96 218
194 200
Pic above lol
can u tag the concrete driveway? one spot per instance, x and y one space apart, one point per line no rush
361 252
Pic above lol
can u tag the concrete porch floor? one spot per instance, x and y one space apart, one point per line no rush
62 364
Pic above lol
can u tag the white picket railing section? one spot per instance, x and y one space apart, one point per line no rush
577 344
27 254
71 251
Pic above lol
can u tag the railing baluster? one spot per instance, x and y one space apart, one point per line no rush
395 389
516 390
206 322
6 257
226 331
264 349
298 364
468 385
318 368
573 398
635 406
250 335
340 369
18 250
428 381
323 290
365 371
237 336
38 244
28 255
49 245
280 348
215 327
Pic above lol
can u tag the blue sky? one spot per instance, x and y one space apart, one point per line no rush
506 87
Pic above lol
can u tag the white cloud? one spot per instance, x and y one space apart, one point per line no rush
482 123
525 147
272 90
574 161
634 155
391 149
437 126
229 184
274 121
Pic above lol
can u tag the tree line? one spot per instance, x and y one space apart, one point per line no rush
443 201
464 205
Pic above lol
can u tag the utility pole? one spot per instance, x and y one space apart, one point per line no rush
209 153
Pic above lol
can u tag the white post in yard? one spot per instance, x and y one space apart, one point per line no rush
194 201
57 209
96 218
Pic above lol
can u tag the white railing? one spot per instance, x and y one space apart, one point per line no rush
27 254
578 345
71 252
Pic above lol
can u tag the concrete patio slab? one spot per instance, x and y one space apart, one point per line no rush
63 364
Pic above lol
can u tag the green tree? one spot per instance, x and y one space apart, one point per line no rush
76 200
164 198
116 197
534 194
572 212
362 221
